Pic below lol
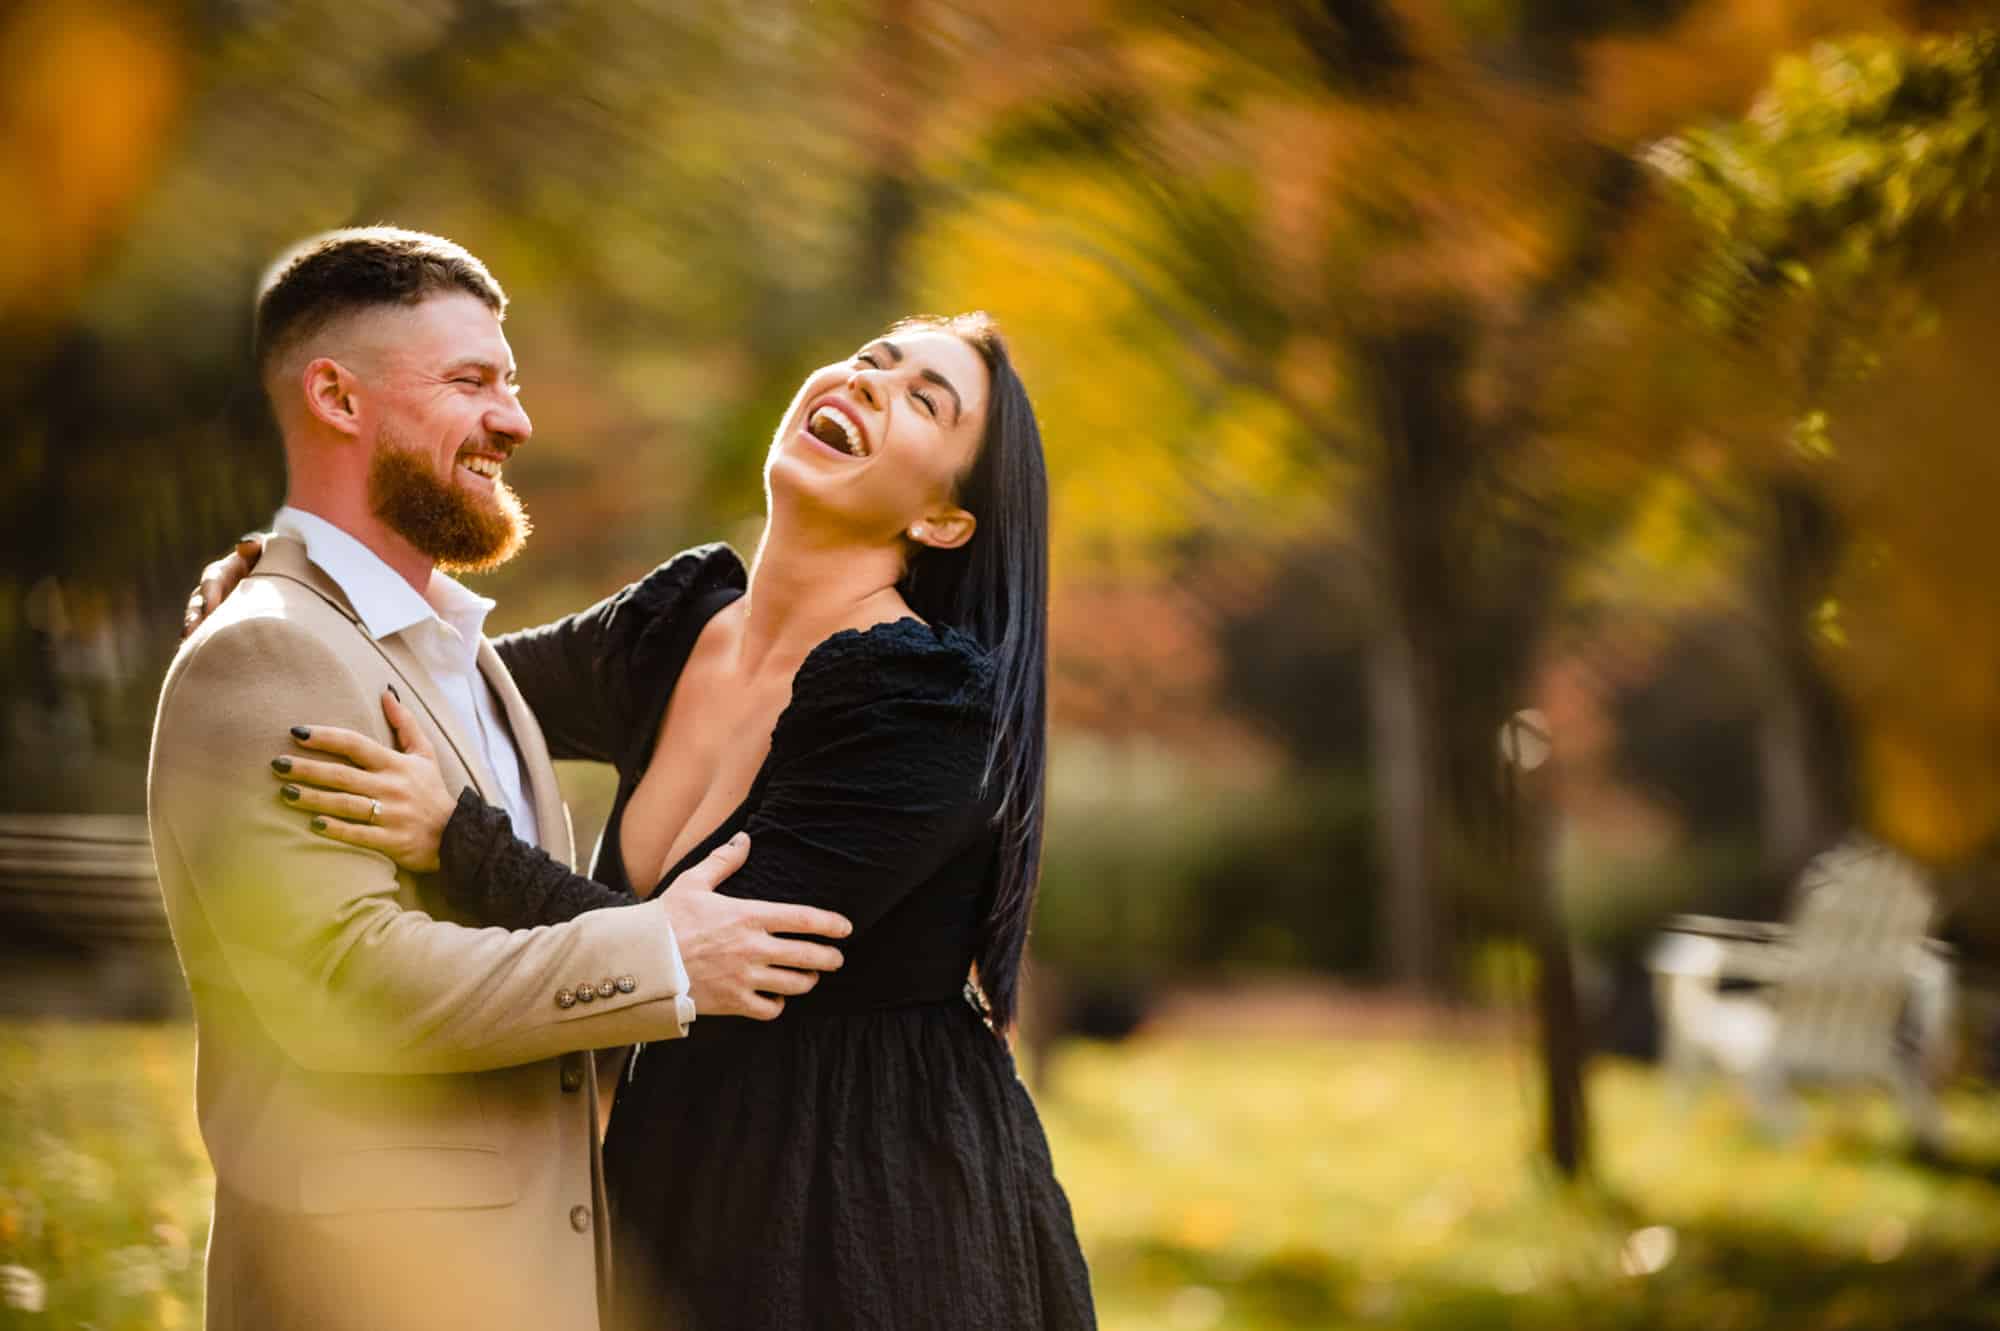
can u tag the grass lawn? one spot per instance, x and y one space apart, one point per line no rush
1245 1184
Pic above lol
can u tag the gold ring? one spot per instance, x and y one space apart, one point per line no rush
374 810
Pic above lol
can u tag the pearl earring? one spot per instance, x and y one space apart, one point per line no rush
917 532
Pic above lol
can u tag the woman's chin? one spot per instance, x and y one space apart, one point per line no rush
795 473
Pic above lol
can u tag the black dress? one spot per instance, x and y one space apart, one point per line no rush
870 1159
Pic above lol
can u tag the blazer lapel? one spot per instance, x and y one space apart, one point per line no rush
286 558
551 818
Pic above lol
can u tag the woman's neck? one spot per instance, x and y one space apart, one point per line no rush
806 587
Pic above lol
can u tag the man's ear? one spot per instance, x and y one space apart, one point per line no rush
331 393
946 529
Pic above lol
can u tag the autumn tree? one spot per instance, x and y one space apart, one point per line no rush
1853 173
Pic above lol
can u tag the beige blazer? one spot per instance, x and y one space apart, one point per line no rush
398 1108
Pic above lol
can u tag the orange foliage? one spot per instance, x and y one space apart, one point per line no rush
90 94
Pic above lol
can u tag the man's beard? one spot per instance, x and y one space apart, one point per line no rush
463 532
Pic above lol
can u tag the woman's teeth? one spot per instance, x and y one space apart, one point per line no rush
487 467
831 426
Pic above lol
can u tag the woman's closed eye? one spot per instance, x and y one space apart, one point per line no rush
929 401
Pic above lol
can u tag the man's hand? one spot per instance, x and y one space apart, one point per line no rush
736 964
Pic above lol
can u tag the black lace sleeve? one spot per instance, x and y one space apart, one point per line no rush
494 876
586 676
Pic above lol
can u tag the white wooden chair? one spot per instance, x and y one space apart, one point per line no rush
1836 984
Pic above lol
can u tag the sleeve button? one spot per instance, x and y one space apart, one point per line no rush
565 998
579 1219
585 994
626 984
606 987
572 1077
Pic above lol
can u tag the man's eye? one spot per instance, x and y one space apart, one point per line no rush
474 382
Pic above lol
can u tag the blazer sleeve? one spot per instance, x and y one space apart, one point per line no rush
311 932
585 676
876 779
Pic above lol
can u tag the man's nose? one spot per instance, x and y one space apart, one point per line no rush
511 422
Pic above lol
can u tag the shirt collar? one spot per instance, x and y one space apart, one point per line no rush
384 602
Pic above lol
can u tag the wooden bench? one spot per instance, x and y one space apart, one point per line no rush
81 878
82 931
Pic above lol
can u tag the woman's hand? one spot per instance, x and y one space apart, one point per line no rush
394 802
219 579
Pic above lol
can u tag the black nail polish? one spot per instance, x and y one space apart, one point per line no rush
393 694
302 732
290 792
319 824
281 764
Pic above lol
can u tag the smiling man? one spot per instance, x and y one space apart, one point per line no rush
400 1105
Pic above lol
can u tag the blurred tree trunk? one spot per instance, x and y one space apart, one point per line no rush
1412 379
1403 753
1796 746
889 119
1449 571
1800 763
1528 837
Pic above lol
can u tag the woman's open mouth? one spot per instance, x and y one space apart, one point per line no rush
837 430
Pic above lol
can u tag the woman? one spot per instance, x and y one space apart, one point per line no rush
866 703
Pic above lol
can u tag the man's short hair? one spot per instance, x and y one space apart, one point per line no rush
339 272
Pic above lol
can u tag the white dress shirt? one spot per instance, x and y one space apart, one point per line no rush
442 627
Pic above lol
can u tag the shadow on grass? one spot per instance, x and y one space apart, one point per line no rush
1950 1163
1725 1277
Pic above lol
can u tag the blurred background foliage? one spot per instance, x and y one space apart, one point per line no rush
1401 363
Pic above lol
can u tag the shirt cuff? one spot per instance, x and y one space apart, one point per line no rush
677 979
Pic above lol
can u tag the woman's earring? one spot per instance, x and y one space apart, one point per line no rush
917 532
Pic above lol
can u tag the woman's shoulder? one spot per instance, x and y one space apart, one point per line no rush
899 706
931 671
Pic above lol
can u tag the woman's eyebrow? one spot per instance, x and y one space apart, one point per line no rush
957 406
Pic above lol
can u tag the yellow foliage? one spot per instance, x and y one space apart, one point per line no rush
1144 442
1921 800
1674 554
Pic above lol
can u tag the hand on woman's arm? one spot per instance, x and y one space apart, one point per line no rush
737 963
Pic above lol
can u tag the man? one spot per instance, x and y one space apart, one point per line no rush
399 1105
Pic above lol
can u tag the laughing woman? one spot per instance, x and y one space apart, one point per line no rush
866 703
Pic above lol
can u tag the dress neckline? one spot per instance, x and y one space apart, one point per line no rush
645 743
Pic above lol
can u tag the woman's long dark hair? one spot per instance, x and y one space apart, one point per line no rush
995 587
